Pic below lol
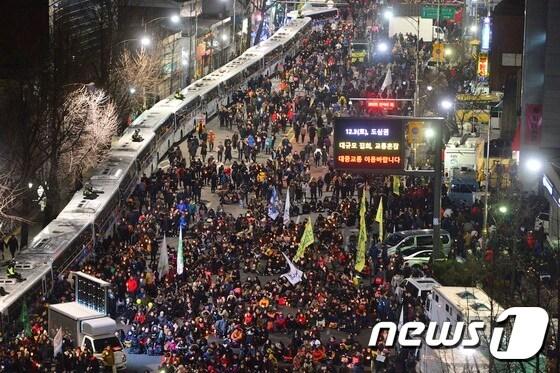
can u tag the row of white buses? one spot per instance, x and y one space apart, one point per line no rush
70 238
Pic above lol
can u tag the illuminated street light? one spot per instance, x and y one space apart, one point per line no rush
503 209
429 88
175 18
474 28
145 41
388 14
132 90
382 47
30 185
429 133
446 104
224 37
448 51
534 165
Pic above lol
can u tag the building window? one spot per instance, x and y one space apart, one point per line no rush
511 59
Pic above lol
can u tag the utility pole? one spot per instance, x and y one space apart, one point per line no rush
416 88
437 189
234 31
486 192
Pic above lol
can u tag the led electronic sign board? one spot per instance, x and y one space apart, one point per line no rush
369 144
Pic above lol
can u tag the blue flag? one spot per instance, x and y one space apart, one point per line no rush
273 206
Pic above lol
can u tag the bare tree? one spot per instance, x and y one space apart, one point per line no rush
9 198
90 121
139 71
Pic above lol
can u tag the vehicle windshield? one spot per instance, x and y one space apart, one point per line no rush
462 188
101 343
359 47
393 239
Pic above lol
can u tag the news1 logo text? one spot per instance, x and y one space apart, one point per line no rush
524 341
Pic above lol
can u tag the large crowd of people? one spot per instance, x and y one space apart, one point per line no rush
230 310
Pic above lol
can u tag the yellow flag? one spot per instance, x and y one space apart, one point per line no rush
306 239
379 218
362 238
397 185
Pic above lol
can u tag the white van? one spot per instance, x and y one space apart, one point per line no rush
409 242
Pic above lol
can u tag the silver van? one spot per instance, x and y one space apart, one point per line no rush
409 242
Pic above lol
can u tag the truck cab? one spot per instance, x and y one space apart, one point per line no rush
100 333
87 328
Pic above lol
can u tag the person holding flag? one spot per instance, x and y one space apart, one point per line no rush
307 239
362 238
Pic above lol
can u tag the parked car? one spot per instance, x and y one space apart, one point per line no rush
542 220
414 240
418 259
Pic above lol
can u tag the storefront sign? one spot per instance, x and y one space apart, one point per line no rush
551 189
483 65
373 103
369 144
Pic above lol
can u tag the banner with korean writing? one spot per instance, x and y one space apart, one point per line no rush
533 123
369 143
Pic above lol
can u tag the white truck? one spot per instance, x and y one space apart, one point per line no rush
423 27
454 304
465 152
87 328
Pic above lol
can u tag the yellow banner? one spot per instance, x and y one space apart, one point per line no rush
306 239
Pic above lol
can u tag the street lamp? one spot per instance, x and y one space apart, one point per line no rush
132 90
429 88
175 18
534 165
382 47
224 37
503 209
474 29
145 41
388 14
446 104
448 51
429 133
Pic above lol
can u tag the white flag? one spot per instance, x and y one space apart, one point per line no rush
163 264
287 207
294 275
180 257
388 79
57 342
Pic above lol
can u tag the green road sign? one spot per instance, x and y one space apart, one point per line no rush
445 12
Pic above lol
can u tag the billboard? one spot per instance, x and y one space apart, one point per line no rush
369 144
